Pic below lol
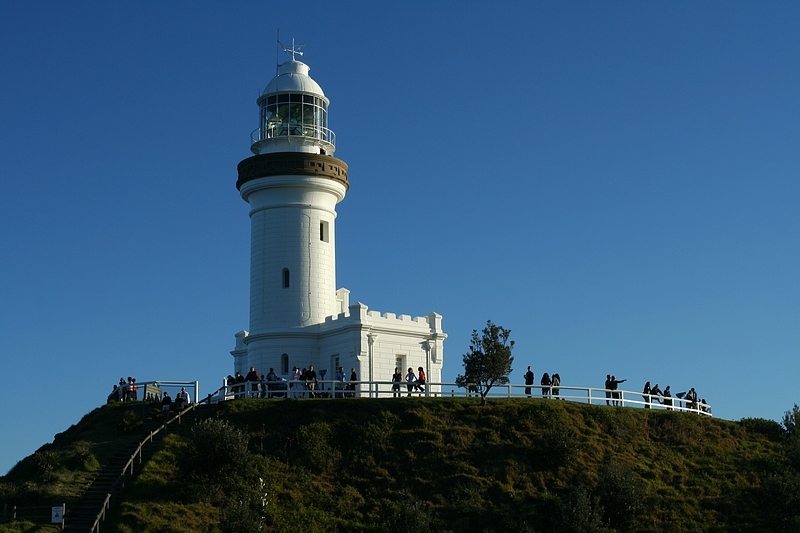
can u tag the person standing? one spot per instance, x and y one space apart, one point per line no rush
296 386
667 398
646 395
397 377
352 385
272 379
556 382
691 399
615 397
239 388
608 389
545 385
421 379
129 389
166 404
411 378
655 392
528 381
252 378
339 385
182 400
311 381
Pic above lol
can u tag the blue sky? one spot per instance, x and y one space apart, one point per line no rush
615 182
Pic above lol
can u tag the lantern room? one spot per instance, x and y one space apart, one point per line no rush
293 114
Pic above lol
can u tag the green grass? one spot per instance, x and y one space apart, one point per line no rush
435 465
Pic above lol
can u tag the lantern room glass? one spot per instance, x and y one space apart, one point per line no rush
287 115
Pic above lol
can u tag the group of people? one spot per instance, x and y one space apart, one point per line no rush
550 389
414 382
344 388
550 384
612 390
125 391
251 382
181 402
689 398
304 383
654 393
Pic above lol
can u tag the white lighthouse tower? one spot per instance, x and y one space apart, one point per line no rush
297 316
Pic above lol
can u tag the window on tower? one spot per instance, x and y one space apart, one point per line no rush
323 231
285 278
284 363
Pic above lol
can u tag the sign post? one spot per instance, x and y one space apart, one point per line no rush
57 515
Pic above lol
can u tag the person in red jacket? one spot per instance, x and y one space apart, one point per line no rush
421 379
255 387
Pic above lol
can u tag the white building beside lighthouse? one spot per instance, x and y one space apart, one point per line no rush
297 315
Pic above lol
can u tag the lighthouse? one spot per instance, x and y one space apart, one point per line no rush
293 184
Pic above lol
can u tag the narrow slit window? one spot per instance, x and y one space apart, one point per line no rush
324 236
285 278
284 363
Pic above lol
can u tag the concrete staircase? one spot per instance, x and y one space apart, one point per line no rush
113 477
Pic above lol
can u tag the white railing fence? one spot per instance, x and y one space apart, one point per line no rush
388 389
152 390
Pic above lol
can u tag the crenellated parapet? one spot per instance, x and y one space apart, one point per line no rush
359 313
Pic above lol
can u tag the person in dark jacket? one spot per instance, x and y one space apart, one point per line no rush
528 381
351 386
646 395
614 386
545 385
655 392
166 404
667 398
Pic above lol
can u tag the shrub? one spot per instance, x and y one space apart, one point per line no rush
315 442
216 456
791 421
622 495
130 422
780 502
581 512
80 457
769 428
557 445
47 463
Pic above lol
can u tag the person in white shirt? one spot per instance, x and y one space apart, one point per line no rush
411 380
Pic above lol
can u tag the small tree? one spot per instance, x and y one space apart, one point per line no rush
791 421
488 361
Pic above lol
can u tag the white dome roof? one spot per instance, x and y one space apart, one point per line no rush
293 77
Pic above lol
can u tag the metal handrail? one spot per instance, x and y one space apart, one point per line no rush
120 480
307 131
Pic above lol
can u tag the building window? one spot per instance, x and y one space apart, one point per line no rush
323 231
284 363
285 278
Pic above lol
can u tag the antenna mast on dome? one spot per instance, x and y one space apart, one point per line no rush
294 50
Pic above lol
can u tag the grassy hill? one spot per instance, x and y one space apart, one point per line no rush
416 464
